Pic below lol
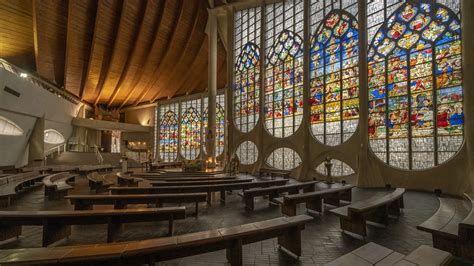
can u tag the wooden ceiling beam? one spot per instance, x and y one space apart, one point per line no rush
80 25
134 69
175 46
130 19
105 31
171 14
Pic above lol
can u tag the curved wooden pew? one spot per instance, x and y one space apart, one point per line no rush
12 185
86 202
57 224
286 229
201 182
315 201
56 185
100 183
373 254
125 179
222 188
376 209
452 226
196 178
275 191
272 172
87 169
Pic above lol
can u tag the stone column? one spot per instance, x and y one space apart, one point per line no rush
36 144
229 103
212 89
305 124
467 25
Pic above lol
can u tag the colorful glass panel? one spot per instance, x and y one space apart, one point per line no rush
168 138
246 89
284 67
190 129
220 123
334 81
415 86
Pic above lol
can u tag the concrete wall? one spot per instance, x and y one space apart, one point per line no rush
144 116
33 103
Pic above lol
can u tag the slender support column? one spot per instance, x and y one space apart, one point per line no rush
229 116
306 95
467 24
212 89
36 143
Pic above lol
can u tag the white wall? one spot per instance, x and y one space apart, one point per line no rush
33 102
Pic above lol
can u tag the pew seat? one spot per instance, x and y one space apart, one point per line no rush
56 186
100 183
13 185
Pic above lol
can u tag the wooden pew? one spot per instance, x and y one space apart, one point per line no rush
373 254
86 169
222 188
65 168
9 169
197 183
332 194
264 171
180 179
57 224
275 191
452 226
40 169
86 202
100 183
163 165
56 185
12 185
286 229
375 209
126 180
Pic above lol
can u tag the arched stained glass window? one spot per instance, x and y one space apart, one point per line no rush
284 67
52 136
9 128
247 68
339 168
415 86
247 153
283 159
220 123
168 147
191 129
334 78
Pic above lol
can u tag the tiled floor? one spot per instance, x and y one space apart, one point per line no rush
322 238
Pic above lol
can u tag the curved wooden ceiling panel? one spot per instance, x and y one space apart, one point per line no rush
111 52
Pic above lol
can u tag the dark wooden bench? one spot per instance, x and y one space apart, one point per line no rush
86 202
86 169
332 194
373 254
126 180
179 179
275 191
56 186
222 188
40 169
187 174
100 183
264 171
376 209
12 185
57 224
286 229
163 165
198 183
9 169
65 168
452 226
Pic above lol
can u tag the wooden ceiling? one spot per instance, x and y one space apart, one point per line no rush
115 53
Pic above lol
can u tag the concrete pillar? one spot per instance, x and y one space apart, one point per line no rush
212 89
305 124
229 103
36 144
467 24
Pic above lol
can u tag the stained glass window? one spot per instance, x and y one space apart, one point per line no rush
246 88
155 146
283 159
339 168
220 123
334 71
284 67
247 153
168 140
190 140
415 82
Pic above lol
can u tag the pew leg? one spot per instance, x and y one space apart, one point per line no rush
315 205
288 209
171 226
209 194
234 253
291 240
7 232
346 195
332 199
5 202
354 225
249 203
54 232
222 196
197 209
113 231
394 208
